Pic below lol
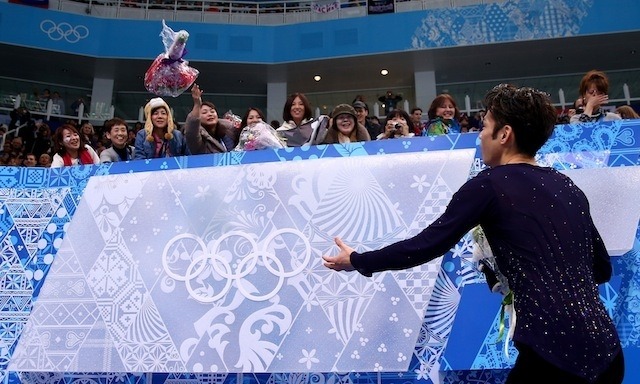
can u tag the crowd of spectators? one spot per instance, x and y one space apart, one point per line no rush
33 143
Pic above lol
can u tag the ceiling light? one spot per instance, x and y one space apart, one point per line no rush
317 78
384 72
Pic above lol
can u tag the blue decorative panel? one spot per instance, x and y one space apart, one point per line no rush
36 228
496 22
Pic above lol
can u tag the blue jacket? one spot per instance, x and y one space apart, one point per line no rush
146 149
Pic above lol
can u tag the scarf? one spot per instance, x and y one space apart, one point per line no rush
85 158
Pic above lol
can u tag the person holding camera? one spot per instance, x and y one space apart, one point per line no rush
397 125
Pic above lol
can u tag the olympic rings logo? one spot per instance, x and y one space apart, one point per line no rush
217 263
64 31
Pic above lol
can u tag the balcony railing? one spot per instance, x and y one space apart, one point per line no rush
241 12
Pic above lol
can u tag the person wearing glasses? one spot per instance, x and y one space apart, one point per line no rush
538 226
594 89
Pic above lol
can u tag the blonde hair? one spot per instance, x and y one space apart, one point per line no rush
151 106
626 112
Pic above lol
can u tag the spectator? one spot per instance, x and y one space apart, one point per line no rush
17 148
362 112
116 130
75 106
252 115
578 107
594 89
475 120
443 116
44 160
159 138
464 123
626 112
5 155
345 127
30 160
16 161
26 127
275 124
396 126
389 101
6 148
137 127
89 134
71 149
57 101
299 127
204 131
417 126
132 137
44 96
43 142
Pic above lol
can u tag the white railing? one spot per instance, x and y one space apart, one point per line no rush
225 12
241 12
48 109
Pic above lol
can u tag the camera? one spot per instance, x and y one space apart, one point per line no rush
396 127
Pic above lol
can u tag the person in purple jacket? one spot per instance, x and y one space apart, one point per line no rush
538 225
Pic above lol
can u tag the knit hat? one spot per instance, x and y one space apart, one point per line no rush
151 106
342 109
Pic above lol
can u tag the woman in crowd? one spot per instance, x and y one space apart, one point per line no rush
443 116
594 89
345 127
396 126
253 115
204 130
465 127
71 148
626 112
299 127
89 134
116 131
159 138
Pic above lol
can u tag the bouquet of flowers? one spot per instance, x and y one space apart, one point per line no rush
259 136
233 118
498 283
169 74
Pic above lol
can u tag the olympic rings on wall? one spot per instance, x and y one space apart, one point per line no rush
64 31
202 257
